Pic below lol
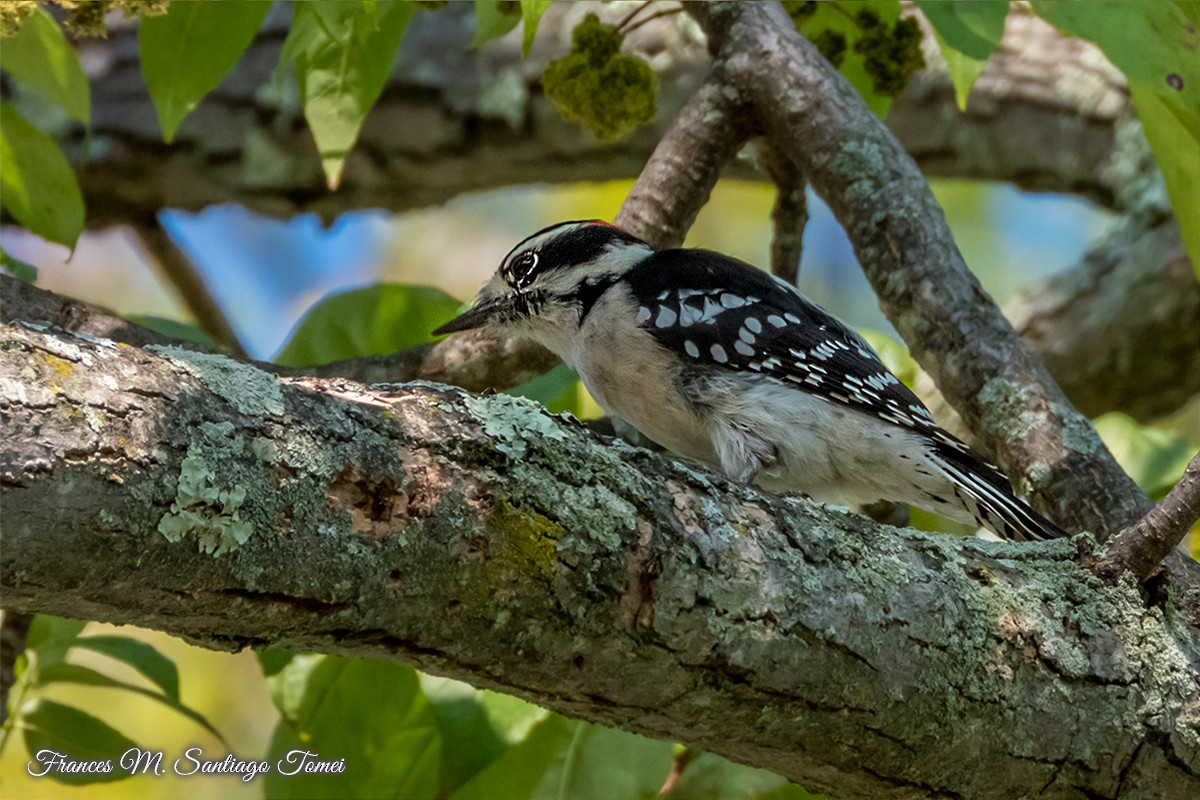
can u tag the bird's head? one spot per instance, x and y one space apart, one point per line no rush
552 276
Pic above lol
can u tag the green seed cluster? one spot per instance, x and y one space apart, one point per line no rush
609 93
890 54
84 17
13 13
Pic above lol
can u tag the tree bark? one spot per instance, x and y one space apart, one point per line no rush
484 539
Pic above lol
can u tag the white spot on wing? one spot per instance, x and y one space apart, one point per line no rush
753 324
743 348
643 315
719 354
732 300
666 317
691 348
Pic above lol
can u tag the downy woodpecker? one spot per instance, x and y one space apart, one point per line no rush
722 362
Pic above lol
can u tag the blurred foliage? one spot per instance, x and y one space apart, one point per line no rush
1155 45
174 328
46 724
867 40
343 53
446 739
372 321
967 34
185 54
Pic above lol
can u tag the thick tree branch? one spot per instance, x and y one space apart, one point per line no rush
1114 330
440 529
813 116
1143 547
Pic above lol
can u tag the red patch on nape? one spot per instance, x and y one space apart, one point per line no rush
607 224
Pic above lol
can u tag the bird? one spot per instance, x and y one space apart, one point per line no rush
718 361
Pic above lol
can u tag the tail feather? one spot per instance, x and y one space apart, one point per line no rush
990 498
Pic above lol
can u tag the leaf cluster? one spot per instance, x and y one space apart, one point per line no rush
47 724
609 93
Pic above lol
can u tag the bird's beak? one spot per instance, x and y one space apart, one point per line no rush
492 310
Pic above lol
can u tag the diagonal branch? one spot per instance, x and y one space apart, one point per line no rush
486 540
812 115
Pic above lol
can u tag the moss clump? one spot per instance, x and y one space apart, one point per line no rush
609 93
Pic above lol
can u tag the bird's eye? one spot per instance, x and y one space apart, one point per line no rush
523 266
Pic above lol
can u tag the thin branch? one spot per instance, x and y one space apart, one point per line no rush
812 115
1143 547
181 274
789 214
628 18
669 12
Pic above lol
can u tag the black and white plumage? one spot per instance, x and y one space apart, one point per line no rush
722 362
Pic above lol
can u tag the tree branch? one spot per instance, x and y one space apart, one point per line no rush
1143 547
681 173
440 529
812 115
789 214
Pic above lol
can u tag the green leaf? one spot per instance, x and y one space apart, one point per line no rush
1166 130
37 184
375 320
21 270
144 658
967 33
64 729
463 720
531 15
1154 457
710 777
371 714
557 390
173 328
491 22
187 51
1155 45
51 637
274 659
972 28
583 768
40 57
517 774
86 676
511 717
837 18
343 54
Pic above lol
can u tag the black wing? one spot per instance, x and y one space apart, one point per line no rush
721 311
